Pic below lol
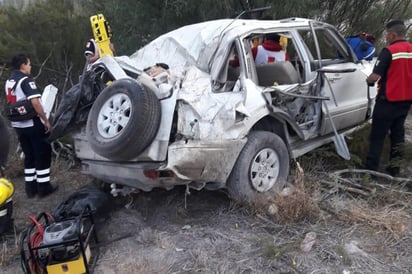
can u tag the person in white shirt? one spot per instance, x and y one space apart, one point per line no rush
270 51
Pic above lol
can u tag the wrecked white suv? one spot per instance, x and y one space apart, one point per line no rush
209 121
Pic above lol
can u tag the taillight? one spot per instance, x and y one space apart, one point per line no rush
151 174
155 174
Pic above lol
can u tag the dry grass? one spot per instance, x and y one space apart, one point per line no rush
147 236
386 218
9 248
294 203
294 206
3 254
14 169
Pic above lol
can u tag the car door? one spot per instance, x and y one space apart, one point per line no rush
344 79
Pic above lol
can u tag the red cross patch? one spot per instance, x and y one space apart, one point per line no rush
33 85
22 110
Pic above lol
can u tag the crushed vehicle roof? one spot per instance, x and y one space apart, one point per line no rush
195 44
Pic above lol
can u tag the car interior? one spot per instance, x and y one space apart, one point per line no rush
276 73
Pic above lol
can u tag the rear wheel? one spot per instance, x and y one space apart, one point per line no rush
261 168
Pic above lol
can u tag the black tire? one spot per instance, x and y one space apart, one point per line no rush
266 152
4 142
123 120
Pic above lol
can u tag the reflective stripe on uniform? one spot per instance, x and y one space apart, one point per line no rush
43 171
29 178
43 179
43 176
29 175
401 55
3 212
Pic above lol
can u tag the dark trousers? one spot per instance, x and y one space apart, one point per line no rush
37 152
387 117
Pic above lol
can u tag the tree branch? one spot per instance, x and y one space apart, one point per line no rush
372 172
42 65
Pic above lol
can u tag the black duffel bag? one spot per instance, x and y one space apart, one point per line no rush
20 111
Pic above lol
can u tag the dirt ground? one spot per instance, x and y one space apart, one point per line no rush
360 228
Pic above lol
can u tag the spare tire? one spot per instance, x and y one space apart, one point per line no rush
123 120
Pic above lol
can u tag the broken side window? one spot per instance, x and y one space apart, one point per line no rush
332 51
287 69
230 72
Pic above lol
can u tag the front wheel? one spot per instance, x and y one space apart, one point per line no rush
261 168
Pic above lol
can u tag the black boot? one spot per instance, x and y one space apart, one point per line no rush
44 189
31 189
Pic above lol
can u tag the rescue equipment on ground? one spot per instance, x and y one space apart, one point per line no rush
6 204
59 247
102 34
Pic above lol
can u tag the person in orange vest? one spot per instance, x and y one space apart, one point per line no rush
393 72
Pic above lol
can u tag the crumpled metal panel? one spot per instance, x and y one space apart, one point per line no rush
199 160
207 115
195 44
186 46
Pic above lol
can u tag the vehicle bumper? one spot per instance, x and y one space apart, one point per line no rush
192 161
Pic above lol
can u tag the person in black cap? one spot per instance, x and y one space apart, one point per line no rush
91 50
393 72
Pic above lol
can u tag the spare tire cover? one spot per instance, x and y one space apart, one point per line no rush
123 120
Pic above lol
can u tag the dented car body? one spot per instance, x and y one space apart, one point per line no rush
216 119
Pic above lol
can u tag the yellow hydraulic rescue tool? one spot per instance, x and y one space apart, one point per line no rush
102 34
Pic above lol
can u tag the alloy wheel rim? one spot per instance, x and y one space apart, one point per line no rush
264 170
114 115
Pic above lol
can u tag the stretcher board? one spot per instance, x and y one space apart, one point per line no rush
48 99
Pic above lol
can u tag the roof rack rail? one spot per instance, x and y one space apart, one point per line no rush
246 14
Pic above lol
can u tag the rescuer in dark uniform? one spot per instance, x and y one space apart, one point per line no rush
31 133
91 49
393 71
91 52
